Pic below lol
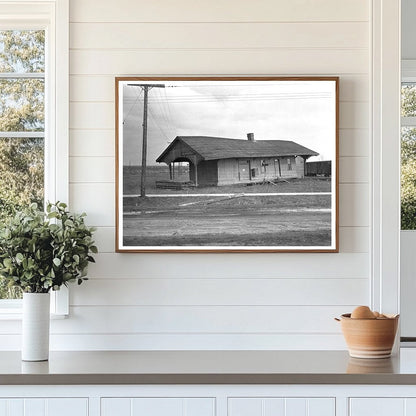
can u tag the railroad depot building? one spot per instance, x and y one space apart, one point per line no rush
223 161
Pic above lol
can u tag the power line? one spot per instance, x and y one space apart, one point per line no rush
131 108
145 88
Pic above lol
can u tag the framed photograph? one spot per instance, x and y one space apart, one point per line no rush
226 164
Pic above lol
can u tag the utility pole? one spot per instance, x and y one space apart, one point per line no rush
146 88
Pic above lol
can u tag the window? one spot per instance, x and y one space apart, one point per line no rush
33 111
408 155
22 124
289 164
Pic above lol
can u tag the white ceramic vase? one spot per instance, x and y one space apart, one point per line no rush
35 326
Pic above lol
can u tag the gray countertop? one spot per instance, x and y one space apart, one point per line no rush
208 367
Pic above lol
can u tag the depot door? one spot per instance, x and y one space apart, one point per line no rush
244 170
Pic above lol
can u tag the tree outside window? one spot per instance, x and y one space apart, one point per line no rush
22 124
408 157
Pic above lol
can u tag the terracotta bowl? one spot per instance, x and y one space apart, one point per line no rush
369 338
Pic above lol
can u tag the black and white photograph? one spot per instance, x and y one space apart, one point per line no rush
234 164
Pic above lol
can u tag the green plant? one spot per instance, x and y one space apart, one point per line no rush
43 251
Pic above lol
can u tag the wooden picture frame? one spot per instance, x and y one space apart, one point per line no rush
227 164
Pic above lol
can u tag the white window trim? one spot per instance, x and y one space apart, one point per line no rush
385 209
53 16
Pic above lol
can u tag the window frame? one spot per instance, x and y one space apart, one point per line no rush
53 17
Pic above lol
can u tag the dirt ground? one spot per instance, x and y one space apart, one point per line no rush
240 216
247 220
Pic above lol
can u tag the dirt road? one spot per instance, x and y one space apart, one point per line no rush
240 222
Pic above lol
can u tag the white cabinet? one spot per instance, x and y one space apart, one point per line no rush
160 406
44 407
382 406
208 400
270 406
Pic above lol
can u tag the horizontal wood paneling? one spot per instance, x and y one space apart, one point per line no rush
220 291
219 62
94 143
104 238
202 319
222 35
354 170
354 208
101 87
96 199
218 11
251 266
354 142
352 239
89 169
288 296
92 88
207 320
92 115
166 341
353 115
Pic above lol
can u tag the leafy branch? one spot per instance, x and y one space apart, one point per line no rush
43 251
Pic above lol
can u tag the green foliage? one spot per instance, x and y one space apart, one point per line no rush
408 103
408 195
22 100
21 174
22 105
22 51
21 109
40 252
408 144
408 161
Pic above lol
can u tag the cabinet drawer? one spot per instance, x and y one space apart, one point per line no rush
158 406
44 407
280 406
377 406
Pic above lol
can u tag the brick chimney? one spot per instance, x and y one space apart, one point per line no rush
250 137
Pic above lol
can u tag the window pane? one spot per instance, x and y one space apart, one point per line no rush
408 178
21 173
408 144
22 51
21 182
22 105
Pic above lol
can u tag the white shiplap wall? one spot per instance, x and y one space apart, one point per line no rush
218 301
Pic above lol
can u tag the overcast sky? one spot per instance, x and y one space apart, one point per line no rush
302 111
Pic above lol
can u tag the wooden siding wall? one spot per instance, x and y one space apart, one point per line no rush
213 301
227 171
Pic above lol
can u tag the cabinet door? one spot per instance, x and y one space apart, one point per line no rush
160 406
382 406
44 407
270 406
